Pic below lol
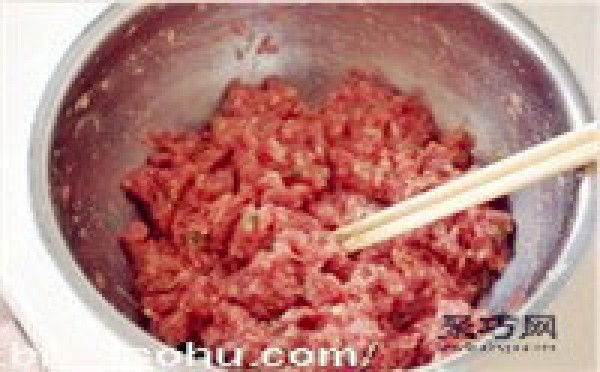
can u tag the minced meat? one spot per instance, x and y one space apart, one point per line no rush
235 248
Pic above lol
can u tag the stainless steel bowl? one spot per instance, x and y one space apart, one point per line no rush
159 66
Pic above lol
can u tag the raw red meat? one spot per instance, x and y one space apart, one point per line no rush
235 246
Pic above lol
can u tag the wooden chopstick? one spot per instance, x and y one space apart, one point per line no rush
562 153
469 180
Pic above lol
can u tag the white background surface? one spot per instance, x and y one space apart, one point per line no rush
38 35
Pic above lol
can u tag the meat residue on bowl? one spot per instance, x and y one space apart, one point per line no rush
234 248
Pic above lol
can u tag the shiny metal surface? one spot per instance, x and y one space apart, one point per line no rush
163 66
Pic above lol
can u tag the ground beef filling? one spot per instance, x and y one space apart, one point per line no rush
235 250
